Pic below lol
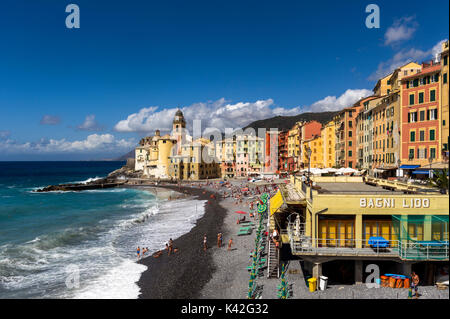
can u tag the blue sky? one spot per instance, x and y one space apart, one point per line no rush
92 92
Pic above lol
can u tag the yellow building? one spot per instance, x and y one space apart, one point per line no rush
328 136
339 218
294 141
196 161
225 153
315 144
152 155
383 86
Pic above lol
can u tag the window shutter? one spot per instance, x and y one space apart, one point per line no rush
409 117
428 115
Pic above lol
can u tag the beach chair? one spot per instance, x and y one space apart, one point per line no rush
244 232
245 228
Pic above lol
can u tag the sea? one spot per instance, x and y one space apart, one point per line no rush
80 244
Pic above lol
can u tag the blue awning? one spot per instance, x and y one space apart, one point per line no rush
421 172
409 166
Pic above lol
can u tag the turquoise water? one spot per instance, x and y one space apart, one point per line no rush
78 244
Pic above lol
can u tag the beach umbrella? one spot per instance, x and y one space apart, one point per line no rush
262 208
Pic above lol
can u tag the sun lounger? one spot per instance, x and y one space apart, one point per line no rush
244 232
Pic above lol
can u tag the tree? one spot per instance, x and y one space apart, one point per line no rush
440 179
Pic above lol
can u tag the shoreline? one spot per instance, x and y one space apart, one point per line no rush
190 268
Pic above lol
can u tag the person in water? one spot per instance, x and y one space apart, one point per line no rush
138 252
205 245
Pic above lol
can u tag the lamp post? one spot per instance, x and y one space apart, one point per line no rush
308 151
430 159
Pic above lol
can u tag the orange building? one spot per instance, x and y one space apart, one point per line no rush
271 152
444 110
307 132
282 151
420 112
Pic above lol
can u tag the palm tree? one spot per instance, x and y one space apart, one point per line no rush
440 179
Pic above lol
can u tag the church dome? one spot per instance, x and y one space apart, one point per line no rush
179 113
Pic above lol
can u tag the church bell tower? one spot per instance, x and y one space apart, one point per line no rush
179 130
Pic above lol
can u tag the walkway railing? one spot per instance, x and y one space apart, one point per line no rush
424 250
406 250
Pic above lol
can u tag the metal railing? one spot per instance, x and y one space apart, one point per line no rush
406 250
425 250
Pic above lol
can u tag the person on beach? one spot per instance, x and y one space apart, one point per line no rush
205 245
170 246
230 242
138 252
415 284
219 240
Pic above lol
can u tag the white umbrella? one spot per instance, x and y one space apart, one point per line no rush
349 170
316 171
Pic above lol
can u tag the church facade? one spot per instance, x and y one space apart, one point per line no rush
176 156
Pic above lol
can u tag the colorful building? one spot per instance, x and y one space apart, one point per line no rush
271 155
444 114
383 86
346 137
328 136
226 155
249 155
331 228
315 144
195 161
283 151
308 131
420 96
293 149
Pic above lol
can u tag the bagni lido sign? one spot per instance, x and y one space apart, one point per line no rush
391 203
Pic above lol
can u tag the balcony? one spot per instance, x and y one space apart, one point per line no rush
404 250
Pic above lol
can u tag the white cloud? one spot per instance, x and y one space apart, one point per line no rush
402 29
89 124
221 114
333 103
94 143
50 120
403 57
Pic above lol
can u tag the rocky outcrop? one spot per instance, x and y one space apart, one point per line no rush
116 178
97 184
